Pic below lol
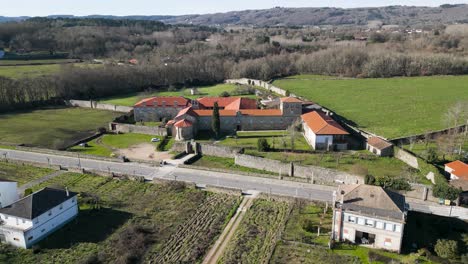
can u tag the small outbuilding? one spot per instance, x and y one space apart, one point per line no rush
379 147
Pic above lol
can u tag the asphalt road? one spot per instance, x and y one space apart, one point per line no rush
215 179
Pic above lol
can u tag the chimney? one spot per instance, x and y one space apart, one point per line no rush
66 190
342 197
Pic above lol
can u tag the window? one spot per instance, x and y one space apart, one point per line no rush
43 230
398 228
360 221
379 225
369 222
351 219
36 221
61 207
50 213
388 242
389 227
16 239
73 200
30 238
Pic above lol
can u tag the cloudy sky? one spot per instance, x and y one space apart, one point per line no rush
178 7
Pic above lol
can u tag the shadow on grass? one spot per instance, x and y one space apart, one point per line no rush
423 230
91 226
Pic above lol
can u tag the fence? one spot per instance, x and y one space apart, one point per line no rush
97 105
147 130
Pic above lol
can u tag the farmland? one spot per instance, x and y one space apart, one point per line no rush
131 99
21 173
390 107
122 221
255 239
17 72
53 127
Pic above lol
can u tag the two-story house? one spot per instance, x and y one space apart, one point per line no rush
34 217
369 215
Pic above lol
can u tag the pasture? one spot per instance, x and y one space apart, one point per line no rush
205 91
123 221
53 127
22 70
390 107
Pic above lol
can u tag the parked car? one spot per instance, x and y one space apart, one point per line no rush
155 140
84 145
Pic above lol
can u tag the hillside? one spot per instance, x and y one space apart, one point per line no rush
399 15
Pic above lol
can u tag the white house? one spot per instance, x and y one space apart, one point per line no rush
324 133
457 170
379 147
8 192
34 217
369 216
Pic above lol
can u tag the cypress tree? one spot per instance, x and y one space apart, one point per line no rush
215 121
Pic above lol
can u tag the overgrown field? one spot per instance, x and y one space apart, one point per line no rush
52 128
122 221
390 107
30 71
276 139
131 99
257 235
21 173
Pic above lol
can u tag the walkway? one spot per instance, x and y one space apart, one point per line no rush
220 245
30 184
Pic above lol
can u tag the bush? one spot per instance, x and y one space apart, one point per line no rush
262 145
369 179
445 191
393 183
224 94
28 191
446 248
431 155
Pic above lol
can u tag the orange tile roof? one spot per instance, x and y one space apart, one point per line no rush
379 143
322 124
183 123
170 101
290 100
210 112
187 110
222 101
460 169
262 112
242 103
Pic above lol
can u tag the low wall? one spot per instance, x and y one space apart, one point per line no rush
429 135
263 84
315 174
420 192
219 151
67 154
406 157
147 130
97 105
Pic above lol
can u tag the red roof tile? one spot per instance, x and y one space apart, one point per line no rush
262 112
208 102
183 123
460 169
187 110
378 143
210 112
242 103
290 100
170 101
322 124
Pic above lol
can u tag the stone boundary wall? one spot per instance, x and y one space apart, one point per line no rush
128 128
66 154
97 105
420 192
219 151
430 135
263 84
406 157
316 175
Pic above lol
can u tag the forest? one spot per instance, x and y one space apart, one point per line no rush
173 56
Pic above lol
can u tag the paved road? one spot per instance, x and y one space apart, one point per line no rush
216 179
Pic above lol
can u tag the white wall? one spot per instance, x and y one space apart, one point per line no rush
8 193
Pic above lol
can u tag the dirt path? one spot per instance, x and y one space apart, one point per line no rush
144 151
220 245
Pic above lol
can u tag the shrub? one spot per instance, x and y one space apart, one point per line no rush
446 248
445 191
262 145
431 155
369 179
102 130
28 191
224 94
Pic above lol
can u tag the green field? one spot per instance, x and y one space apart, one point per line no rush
52 128
29 71
131 99
279 140
21 173
123 221
110 143
29 62
227 164
390 107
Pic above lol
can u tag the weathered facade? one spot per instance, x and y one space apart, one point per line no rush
159 108
369 216
379 147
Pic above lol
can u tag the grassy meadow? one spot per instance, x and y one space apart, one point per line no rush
52 127
23 70
131 99
390 107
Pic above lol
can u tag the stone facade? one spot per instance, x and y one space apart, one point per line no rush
128 128
155 114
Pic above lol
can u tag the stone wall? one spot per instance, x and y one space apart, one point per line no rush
97 105
430 135
147 130
219 151
315 174
258 83
406 157
420 192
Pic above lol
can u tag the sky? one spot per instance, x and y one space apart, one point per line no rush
179 7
